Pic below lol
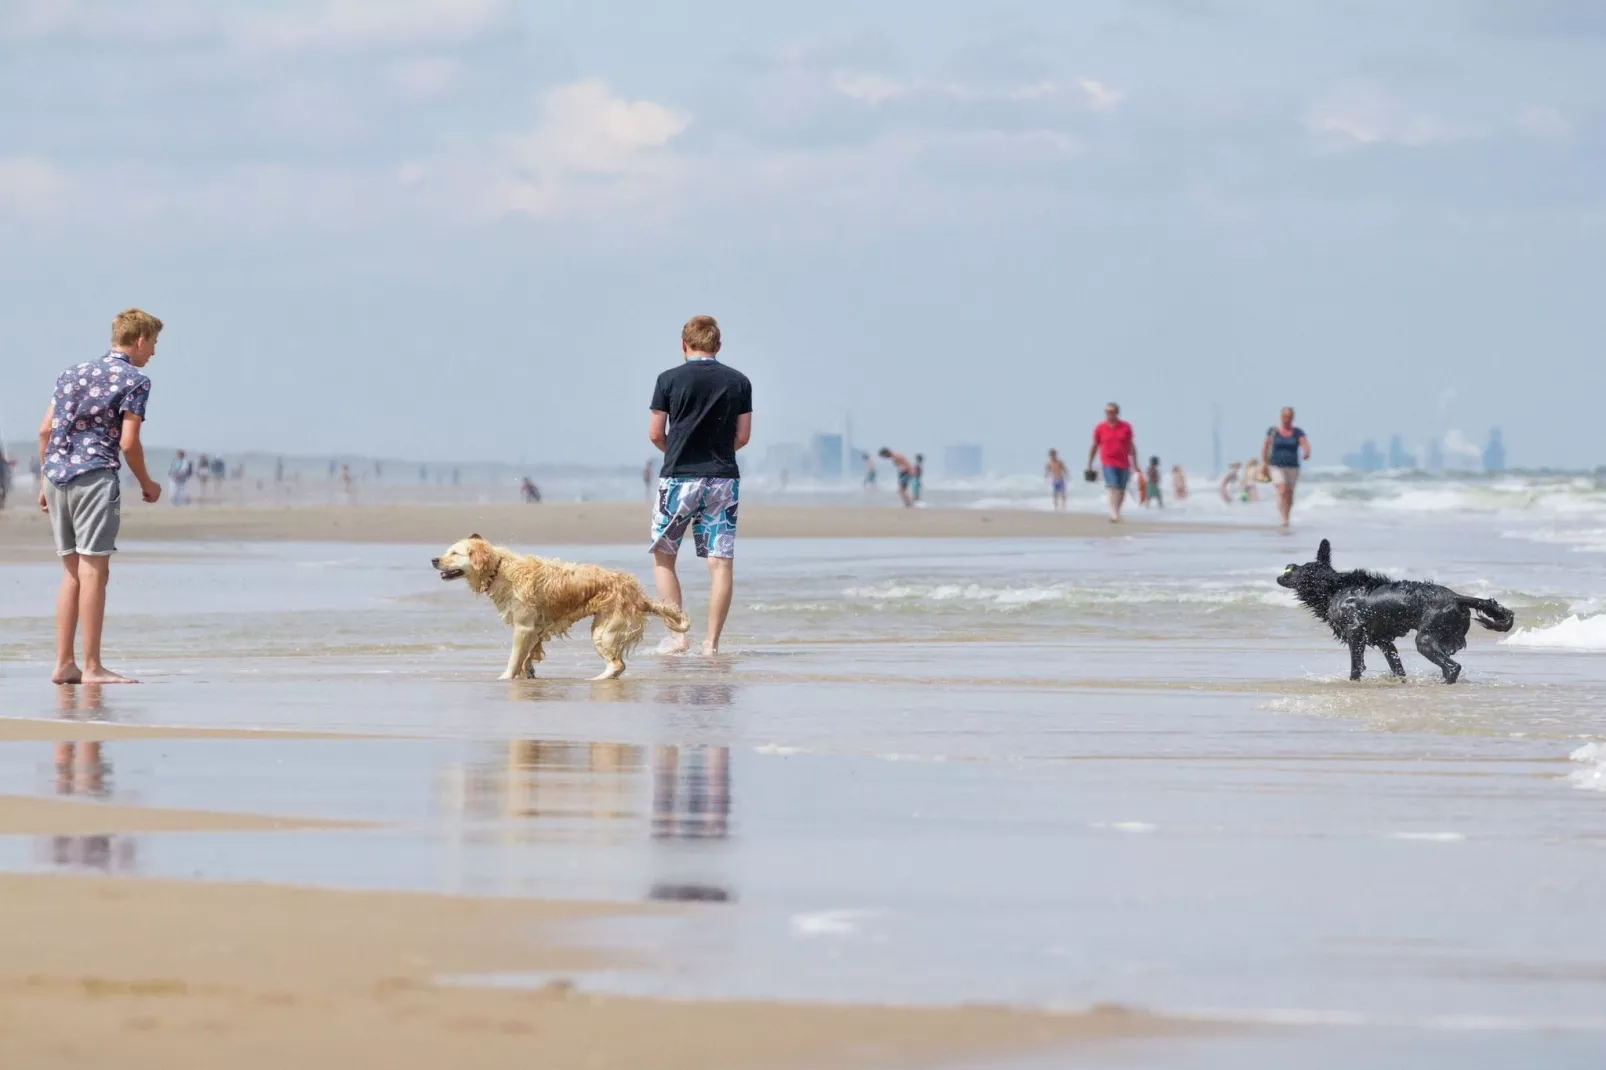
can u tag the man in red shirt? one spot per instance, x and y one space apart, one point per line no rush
1113 446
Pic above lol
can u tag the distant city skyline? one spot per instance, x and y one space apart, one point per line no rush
473 230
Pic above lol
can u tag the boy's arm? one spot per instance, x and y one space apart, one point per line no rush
44 444
134 451
744 429
658 429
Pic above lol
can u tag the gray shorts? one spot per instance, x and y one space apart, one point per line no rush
86 513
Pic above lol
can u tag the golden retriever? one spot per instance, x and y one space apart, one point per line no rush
542 598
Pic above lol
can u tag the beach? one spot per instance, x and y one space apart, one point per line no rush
560 524
951 797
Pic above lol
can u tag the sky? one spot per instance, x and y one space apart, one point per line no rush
471 229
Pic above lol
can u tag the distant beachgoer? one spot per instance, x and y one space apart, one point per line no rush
905 474
178 478
203 473
1152 492
701 415
1054 475
783 479
346 493
1285 445
96 413
918 476
1228 482
529 491
648 478
869 472
1249 481
1179 483
278 470
1117 455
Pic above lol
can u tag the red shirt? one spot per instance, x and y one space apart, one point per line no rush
1114 443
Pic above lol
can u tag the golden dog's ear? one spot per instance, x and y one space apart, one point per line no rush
479 555
476 535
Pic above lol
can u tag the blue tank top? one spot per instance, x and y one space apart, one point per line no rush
1284 448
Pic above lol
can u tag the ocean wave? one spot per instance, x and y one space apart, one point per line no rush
1592 756
1020 597
1574 633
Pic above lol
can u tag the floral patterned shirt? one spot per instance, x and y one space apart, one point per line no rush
87 416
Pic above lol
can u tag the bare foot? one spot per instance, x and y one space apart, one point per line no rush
67 674
105 676
710 648
674 644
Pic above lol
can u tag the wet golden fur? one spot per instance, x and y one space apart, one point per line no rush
542 599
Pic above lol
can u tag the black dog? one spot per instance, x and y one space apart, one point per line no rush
1365 609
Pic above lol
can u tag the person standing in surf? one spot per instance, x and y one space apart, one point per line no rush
1281 453
1117 455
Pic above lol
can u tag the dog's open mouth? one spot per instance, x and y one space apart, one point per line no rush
451 573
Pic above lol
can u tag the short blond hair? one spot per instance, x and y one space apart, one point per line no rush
132 324
701 334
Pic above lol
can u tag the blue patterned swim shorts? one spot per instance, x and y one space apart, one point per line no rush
707 506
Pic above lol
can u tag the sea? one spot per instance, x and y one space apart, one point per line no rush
1051 773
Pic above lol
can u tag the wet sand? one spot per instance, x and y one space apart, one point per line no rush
25 533
23 815
149 973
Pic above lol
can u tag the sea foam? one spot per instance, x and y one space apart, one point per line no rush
1574 633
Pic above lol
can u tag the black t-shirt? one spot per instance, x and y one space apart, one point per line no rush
703 399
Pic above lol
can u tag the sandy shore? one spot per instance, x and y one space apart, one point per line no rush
26 532
26 815
31 730
112 972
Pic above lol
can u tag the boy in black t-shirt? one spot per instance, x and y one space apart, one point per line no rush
702 413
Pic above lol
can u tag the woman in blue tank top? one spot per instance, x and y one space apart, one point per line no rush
1285 446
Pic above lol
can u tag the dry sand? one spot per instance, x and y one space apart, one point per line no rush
24 533
134 974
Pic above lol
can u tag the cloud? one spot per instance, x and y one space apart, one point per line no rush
1357 116
1545 124
1100 97
30 187
425 76
366 24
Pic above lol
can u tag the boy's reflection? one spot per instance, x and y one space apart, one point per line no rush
81 769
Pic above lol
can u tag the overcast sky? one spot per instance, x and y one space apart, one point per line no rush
472 228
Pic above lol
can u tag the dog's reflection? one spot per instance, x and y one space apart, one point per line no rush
82 769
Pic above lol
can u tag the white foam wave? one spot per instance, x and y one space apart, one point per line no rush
830 922
1574 633
1067 594
1592 756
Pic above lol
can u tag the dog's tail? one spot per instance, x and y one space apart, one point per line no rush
1491 614
673 617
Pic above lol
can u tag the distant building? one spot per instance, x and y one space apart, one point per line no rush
825 456
1367 459
962 462
1435 456
1494 454
1398 458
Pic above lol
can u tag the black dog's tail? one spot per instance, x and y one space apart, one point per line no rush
1491 614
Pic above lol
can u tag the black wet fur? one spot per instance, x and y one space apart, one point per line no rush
1365 609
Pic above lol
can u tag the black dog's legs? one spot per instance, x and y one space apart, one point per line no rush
1357 658
1429 648
1396 666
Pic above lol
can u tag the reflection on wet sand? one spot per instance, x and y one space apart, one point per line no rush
82 769
600 793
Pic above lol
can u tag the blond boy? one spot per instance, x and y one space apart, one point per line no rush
93 422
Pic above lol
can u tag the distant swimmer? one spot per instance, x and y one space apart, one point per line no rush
918 477
1113 446
1179 483
648 479
1151 484
906 472
1054 475
1285 445
869 472
1228 482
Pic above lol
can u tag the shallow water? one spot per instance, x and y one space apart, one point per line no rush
1048 772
